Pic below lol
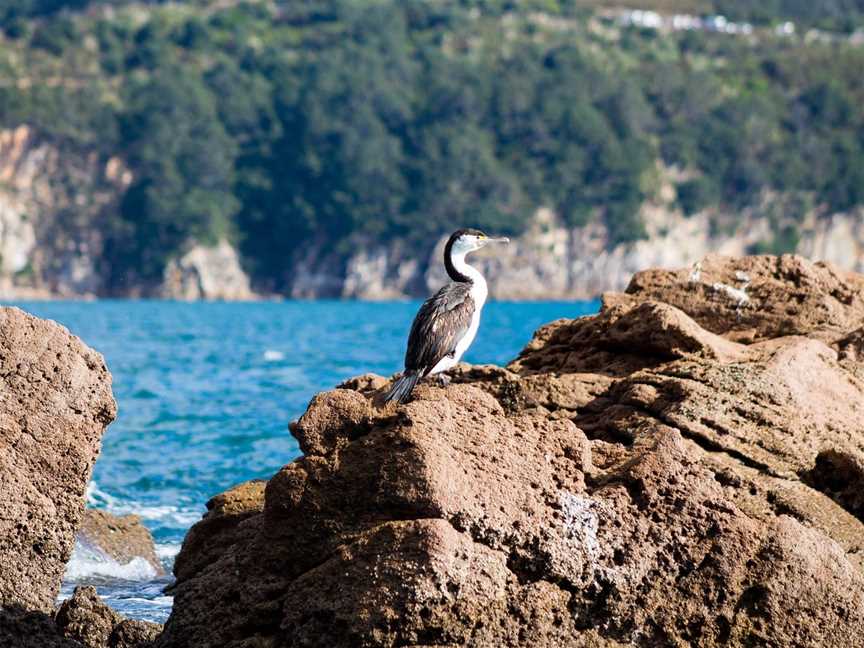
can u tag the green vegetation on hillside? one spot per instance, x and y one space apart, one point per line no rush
279 124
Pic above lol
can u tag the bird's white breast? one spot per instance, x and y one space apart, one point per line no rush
478 293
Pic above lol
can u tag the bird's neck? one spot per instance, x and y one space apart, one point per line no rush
459 270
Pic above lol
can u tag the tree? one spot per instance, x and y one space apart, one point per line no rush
183 163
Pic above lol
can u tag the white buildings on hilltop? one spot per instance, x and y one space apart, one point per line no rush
683 22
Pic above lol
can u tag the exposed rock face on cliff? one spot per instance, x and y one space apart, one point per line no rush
211 273
54 203
553 261
641 477
55 402
52 206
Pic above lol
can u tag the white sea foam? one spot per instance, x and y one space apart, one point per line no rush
159 601
165 514
163 600
89 561
271 355
168 515
93 494
167 550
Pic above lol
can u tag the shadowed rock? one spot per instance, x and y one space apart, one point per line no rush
21 628
84 618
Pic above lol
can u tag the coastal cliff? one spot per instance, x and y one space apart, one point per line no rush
551 261
683 468
54 203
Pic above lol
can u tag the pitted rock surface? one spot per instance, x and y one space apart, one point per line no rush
55 403
673 471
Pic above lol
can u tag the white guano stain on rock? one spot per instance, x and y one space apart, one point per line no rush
581 523
738 295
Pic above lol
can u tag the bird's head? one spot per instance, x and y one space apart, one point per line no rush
467 240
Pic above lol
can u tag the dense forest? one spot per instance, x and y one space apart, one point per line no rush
277 123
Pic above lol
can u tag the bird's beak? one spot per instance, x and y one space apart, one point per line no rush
500 239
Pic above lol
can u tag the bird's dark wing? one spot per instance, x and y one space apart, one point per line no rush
442 321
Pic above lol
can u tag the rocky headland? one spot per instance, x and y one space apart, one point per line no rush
684 468
46 252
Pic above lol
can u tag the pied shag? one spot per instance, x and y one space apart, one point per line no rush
447 322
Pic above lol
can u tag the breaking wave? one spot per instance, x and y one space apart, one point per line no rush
89 562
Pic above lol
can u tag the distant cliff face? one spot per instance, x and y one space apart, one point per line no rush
53 206
207 272
551 261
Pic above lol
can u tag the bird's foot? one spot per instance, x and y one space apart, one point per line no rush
443 379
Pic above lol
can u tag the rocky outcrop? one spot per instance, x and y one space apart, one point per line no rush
755 298
119 538
207 272
85 619
55 402
649 476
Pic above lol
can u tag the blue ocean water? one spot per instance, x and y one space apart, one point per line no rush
206 392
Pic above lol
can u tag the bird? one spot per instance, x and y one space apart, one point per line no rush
447 322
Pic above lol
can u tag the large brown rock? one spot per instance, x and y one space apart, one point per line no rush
656 475
769 297
122 538
55 402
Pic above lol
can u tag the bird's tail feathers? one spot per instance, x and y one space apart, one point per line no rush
402 388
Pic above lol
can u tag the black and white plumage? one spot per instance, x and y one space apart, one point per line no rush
447 322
